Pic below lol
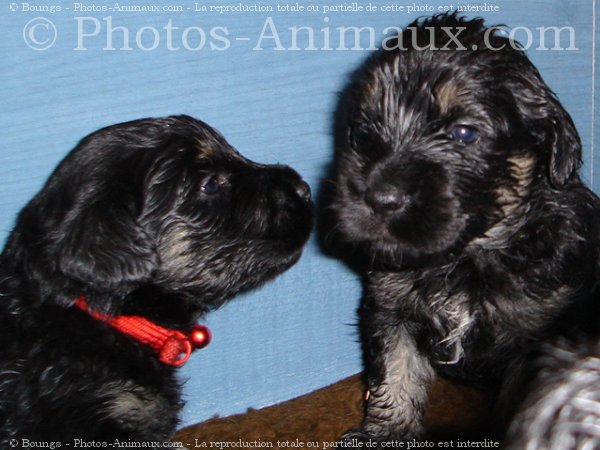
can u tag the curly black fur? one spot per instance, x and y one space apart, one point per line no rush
455 192
160 218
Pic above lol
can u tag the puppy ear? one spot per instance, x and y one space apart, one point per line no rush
551 125
105 247
564 143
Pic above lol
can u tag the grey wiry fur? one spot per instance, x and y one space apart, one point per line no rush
562 410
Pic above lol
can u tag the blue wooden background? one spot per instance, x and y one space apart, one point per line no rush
297 333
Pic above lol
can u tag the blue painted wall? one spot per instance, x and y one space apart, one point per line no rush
295 334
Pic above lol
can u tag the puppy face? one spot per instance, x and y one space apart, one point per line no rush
165 203
442 144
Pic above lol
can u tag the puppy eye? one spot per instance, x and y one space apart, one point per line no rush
210 185
464 133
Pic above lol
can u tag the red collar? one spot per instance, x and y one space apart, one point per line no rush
173 347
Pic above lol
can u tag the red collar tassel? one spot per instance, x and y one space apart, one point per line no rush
172 346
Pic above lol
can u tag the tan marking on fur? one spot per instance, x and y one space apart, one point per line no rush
511 199
205 152
447 95
522 169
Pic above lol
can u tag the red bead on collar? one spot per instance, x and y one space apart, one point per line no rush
172 346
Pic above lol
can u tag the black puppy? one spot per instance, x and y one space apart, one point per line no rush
156 219
456 192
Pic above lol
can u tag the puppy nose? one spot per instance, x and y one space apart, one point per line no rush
303 190
385 200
